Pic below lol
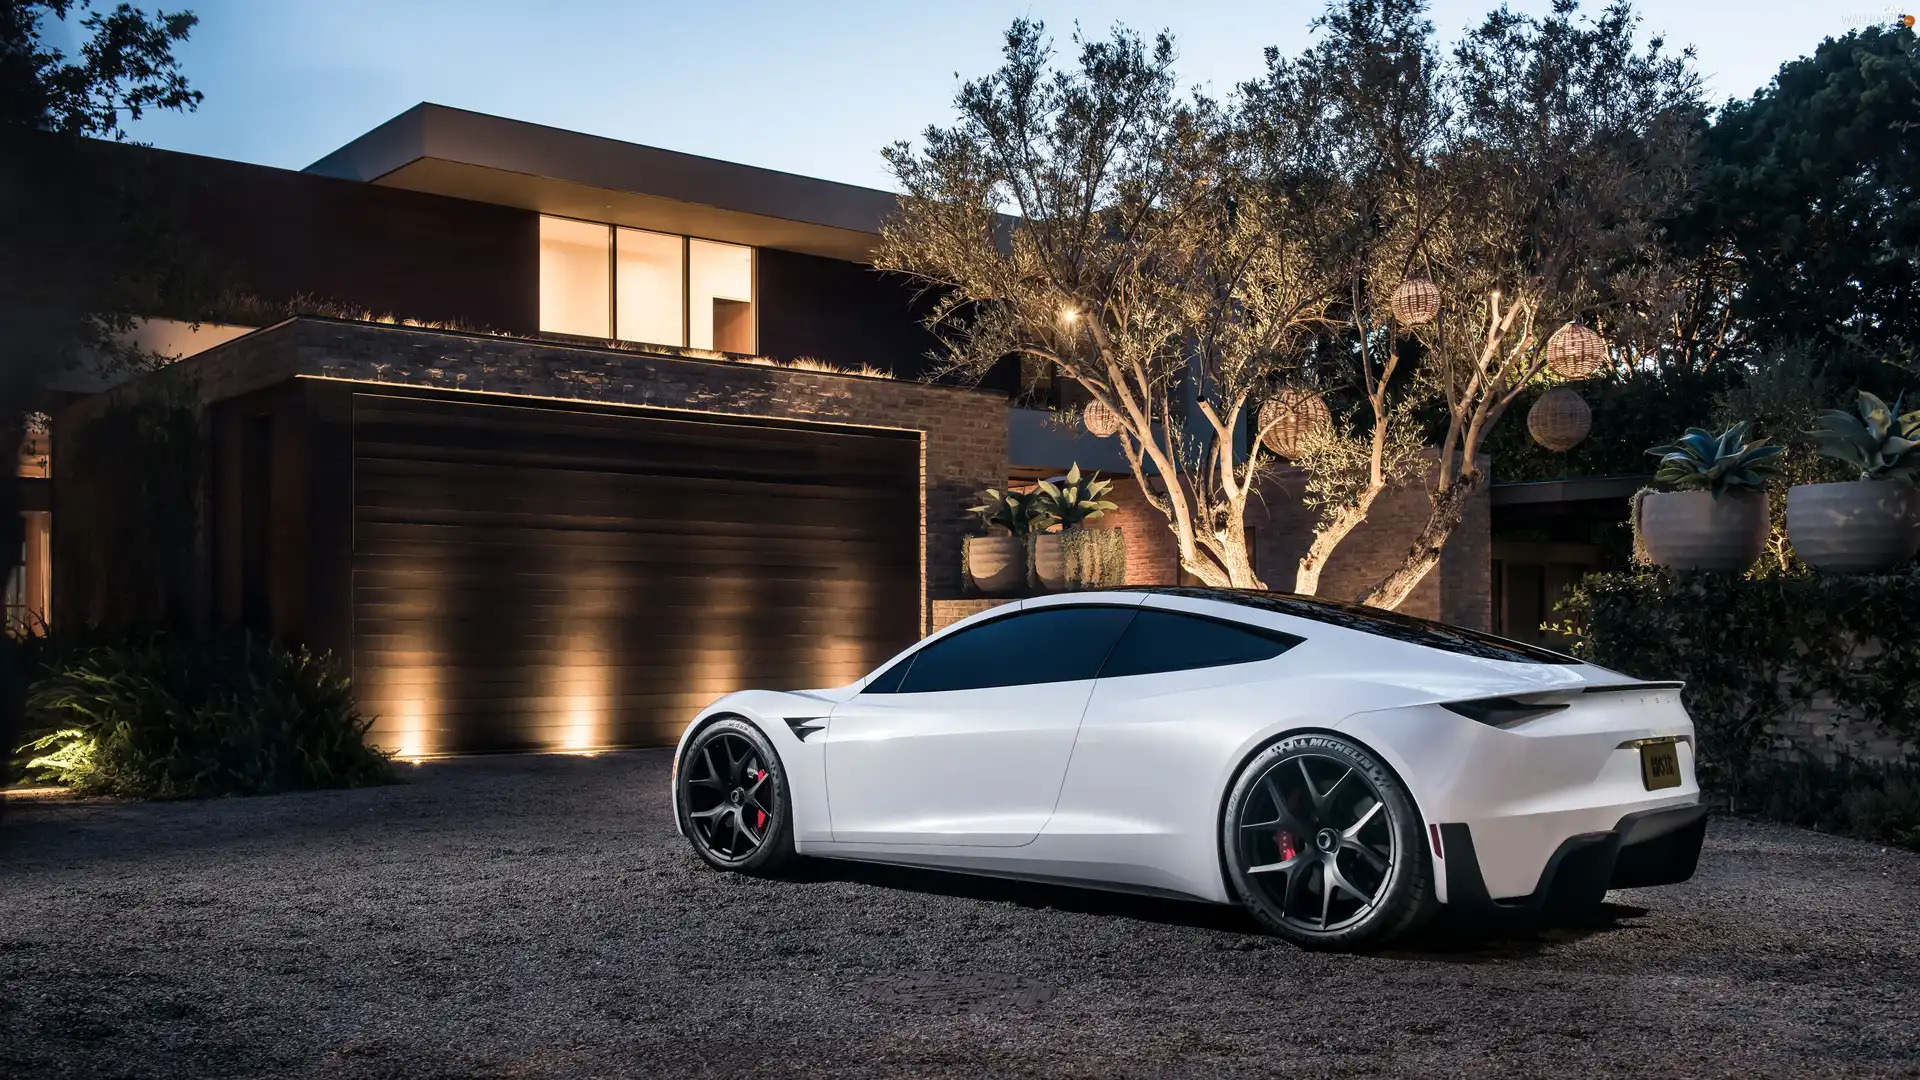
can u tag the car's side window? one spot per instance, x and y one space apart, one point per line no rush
1051 644
1160 640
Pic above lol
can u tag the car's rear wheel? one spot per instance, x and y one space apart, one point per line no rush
734 799
1323 845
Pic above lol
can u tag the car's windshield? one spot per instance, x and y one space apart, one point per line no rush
1389 624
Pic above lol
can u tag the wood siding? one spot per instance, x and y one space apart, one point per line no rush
530 577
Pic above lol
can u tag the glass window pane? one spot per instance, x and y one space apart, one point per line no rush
1164 641
575 279
1059 644
720 286
648 279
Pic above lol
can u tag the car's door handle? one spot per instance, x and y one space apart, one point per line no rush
804 726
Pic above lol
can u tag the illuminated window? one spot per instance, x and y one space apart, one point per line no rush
605 281
576 272
720 296
650 303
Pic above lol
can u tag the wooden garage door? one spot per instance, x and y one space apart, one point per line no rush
549 578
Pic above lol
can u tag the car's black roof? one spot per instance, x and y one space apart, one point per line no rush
1369 620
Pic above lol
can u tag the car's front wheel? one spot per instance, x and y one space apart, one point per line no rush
733 799
1324 846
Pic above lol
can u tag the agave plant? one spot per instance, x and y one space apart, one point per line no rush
1703 461
1881 442
1071 501
1018 512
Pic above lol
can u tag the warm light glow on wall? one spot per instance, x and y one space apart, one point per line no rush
581 691
412 735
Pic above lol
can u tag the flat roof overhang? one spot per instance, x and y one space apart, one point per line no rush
492 159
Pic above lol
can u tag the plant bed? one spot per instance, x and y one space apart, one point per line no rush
166 717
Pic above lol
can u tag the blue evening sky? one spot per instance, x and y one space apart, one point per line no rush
812 88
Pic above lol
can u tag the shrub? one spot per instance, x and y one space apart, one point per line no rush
165 717
1750 650
1850 798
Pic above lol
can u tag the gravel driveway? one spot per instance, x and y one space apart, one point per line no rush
537 916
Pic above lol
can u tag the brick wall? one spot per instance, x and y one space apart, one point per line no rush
1457 591
964 432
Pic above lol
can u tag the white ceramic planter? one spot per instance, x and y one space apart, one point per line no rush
1049 562
1693 530
997 564
1855 527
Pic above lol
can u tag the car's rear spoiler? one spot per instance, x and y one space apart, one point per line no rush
1633 687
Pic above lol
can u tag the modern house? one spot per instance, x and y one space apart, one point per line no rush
551 439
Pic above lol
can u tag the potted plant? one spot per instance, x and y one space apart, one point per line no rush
1871 523
1065 505
1715 516
996 563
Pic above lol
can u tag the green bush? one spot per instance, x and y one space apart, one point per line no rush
165 717
1850 798
1750 650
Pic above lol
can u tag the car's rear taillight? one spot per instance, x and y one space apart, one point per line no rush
1503 711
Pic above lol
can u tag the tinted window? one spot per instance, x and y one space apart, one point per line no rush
1062 644
1168 641
1387 624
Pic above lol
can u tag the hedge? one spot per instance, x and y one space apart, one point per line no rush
1751 650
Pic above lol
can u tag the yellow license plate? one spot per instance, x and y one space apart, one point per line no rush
1660 765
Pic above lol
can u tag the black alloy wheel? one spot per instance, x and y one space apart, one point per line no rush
733 799
1324 846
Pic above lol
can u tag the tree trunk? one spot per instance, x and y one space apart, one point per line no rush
1449 506
1306 579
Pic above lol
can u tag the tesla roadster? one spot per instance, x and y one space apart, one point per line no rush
1341 771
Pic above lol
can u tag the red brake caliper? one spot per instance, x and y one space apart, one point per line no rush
761 815
1287 850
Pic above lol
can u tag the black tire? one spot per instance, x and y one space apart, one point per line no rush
733 799
1313 801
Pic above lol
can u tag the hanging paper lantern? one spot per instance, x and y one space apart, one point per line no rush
1575 352
1560 419
1292 417
1100 419
1415 302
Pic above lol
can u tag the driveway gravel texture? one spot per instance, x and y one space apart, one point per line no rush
538 916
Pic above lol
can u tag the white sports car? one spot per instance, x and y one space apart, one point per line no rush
1341 771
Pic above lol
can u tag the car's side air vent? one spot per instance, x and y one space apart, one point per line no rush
804 726
1503 711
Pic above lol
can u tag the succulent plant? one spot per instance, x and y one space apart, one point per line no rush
1018 512
1880 442
1071 501
1703 461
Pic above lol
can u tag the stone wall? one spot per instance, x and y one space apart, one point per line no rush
963 432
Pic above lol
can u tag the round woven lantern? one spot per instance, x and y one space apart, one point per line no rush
1415 302
1292 417
1560 419
1100 419
1575 352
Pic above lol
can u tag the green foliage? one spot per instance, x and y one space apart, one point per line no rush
1072 501
1850 798
1703 461
1881 442
1805 209
1015 511
167 717
1095 558
125 67
1752 650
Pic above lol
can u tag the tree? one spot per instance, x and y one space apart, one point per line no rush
1094 219
60 283
1525 175
126 66
1808 198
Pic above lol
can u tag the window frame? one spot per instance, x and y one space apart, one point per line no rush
686 284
